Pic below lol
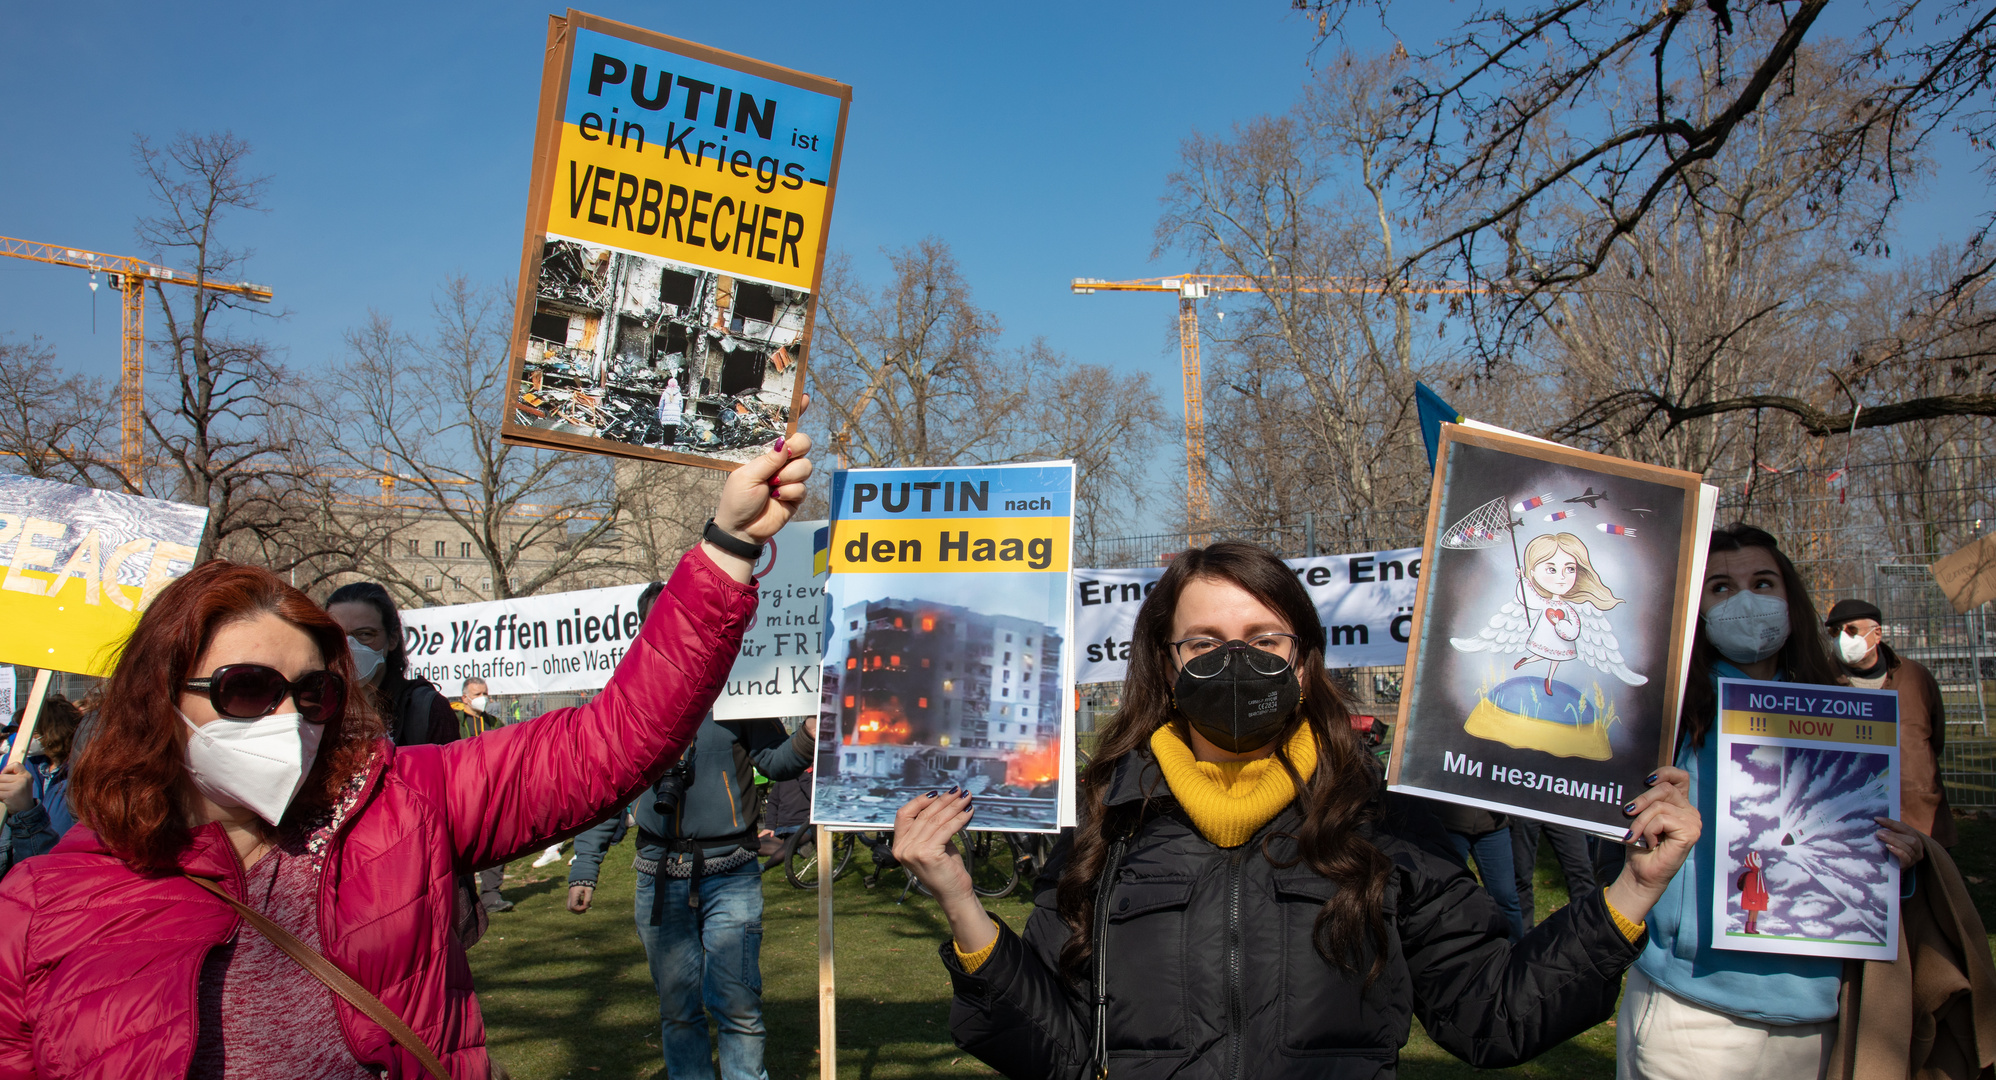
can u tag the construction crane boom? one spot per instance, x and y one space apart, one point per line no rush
129 276
1192 288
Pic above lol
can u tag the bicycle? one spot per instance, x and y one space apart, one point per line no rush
800 856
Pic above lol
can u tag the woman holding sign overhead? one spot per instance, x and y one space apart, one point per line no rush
248 839
1237 899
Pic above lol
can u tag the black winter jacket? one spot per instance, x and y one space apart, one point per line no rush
1212 971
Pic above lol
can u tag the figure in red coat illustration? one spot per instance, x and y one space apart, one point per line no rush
1753 891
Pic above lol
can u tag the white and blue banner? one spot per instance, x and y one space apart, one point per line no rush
1366 601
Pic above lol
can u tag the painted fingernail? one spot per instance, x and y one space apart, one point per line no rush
931 795
1628 836
779 444
1651 780
1629 808
953 789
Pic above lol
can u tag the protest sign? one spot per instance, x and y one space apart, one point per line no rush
1968 576
946 661
1552 629
777 671
572 641
82 565
554 643
1804 771
676 225
1366 601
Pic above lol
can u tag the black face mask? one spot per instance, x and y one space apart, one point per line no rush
1240 710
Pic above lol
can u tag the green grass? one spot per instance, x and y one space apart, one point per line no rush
568 996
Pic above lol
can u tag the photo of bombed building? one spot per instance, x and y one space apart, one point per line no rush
930 694
652 353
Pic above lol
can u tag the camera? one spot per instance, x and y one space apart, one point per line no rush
670 790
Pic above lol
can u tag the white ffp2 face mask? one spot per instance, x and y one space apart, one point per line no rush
1748 627
477 704
365 660
1853 649
255 764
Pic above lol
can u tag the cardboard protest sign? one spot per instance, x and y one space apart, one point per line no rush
1968 576
676 226
572 641
1804 771
1366 601
82 565
947 660
1552 629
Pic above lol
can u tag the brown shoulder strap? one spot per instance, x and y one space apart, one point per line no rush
338 981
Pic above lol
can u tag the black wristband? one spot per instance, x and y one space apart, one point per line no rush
730 543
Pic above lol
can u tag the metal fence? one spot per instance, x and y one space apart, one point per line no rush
1868 531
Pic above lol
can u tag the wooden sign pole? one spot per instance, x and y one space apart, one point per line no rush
32 713
828 1010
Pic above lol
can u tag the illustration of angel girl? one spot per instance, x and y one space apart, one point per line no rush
1559 613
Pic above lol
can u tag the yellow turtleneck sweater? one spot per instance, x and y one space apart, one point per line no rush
1229 800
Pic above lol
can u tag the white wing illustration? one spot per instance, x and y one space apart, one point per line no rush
1507 632
1599 648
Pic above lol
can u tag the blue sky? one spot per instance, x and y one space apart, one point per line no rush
1035 138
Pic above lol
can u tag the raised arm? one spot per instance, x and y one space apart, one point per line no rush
526 784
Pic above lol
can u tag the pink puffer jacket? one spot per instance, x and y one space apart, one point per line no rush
98 965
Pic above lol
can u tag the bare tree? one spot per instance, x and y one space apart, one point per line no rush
55 426
913 375
219 399
1309 395
411 430
1528 109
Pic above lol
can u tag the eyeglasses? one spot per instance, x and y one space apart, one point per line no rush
1264 654
254 691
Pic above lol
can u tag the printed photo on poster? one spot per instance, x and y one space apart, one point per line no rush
1804 772
676 229
946 661
659 355
1550 632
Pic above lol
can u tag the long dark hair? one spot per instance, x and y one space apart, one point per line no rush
396 657
1803 657
1336 800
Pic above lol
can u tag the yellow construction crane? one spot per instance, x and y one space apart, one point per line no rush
128 276
1192 288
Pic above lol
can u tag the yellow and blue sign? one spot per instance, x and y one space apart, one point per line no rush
709 165
991 519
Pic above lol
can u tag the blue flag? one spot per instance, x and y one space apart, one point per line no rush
1434 413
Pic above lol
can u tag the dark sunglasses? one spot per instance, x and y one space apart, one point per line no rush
254 691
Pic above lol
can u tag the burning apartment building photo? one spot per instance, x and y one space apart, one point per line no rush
929 694
656 354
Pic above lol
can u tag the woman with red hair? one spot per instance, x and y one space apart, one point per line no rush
234 781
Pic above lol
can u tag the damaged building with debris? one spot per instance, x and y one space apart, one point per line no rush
656 354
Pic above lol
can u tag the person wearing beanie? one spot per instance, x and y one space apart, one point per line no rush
1860 648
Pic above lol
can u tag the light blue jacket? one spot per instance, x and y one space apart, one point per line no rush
1679 957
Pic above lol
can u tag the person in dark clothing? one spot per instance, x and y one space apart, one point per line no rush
1238 901
1569 846
36 792
1858 630
414 710
699 895
1476 832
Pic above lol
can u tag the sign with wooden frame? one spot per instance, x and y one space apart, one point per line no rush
1552 628
677 222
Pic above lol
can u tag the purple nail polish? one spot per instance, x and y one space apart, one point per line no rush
779 444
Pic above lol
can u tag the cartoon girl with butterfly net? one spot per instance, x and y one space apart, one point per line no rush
1558 615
